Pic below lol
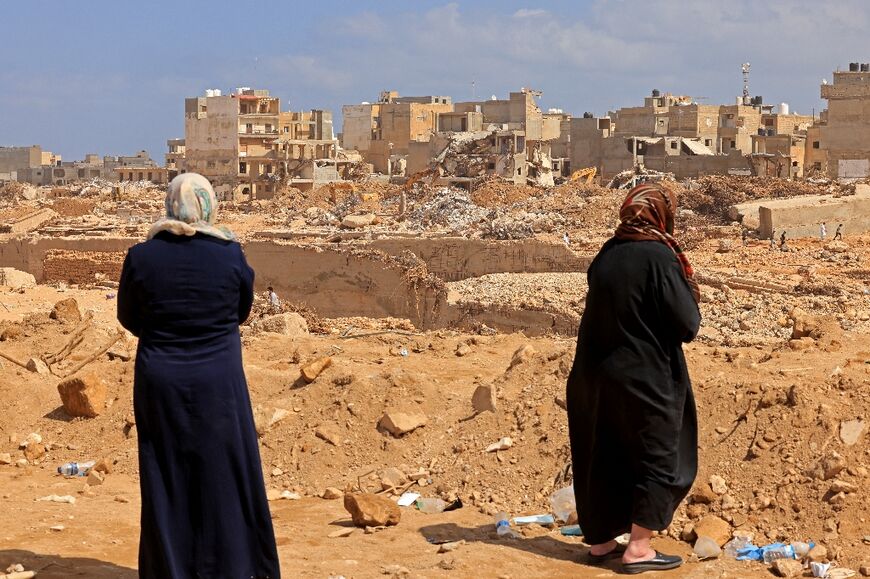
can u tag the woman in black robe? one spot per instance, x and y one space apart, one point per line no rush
183 293
631 412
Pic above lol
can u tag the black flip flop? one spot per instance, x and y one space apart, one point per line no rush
660 562
614 553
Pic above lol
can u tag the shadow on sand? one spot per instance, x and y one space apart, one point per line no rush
58 567
545 546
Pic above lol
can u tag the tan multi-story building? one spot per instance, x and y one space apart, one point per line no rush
14 158
247 147
383 131
845 136
175 149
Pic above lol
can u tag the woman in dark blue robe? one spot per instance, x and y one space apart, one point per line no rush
184 293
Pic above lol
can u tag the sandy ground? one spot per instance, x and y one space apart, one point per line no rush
99 539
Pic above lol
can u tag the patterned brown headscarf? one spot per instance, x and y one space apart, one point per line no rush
648 214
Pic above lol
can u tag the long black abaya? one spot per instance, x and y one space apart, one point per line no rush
631 412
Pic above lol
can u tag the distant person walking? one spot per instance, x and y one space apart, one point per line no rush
274 302
183 292
744 237
773 240
823 231
566 239
782 246
631 411
838 235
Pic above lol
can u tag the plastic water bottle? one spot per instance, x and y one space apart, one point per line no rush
76 469
503 526
783 552
430 506
801 549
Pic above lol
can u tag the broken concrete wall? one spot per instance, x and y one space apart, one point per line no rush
801 216
28 222
339 283
456 258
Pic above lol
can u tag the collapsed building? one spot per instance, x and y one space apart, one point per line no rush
248 148
675 134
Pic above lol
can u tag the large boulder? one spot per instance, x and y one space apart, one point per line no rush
400 423
286 324
357 221
16 279
370 510
66 311
83 395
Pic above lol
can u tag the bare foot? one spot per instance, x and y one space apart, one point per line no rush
602 548
638 555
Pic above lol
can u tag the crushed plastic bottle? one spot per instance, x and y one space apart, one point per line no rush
801 549
429 505
503 526
733 546
777 552
75 468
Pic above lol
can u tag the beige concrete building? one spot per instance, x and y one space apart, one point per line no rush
845 136
14 158
247 147
383 131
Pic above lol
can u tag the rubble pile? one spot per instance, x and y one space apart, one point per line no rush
712 195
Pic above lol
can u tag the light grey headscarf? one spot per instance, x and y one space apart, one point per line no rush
191 207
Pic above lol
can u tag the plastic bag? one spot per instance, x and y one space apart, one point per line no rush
564 504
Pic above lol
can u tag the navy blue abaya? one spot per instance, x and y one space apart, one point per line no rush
204 509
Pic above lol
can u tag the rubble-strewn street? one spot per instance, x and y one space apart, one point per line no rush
780 372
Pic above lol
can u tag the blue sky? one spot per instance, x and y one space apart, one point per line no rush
111 77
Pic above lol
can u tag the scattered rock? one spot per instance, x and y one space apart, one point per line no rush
841 486
483 399
850 431
864 569
66 311
5 458
103 466
10 331
37 365
264 420
346 532
715 528
370 510
285 495
58 499
718 485
829 466
503 444
286 324
328 433
818 553
16 279
400 423
34 452
357 221
703 494
331 493
95 478
396 571
392 478
725 246
787 568
523 355
463 349
451 546
83 395
311 371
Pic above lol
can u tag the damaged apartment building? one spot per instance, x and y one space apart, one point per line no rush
248 148
675 134
840 142
460 142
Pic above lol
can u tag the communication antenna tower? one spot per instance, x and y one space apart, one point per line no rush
745 69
